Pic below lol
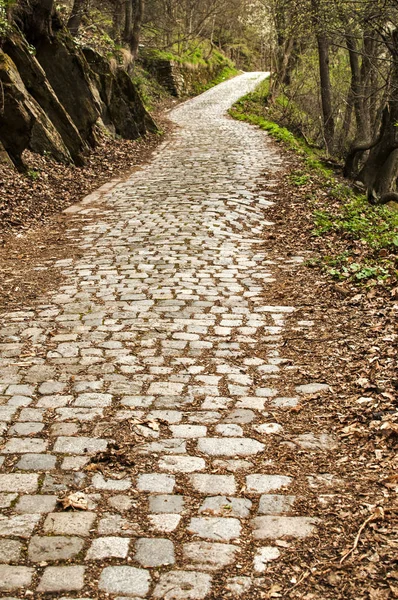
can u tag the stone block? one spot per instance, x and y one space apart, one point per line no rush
52 548
18 482
79 445
188 431
37 462
183 585
263 556
156 482
213 484
69 523
62 579
10 550
206 556
312 388
165 522
262 484
18 525
24 446
277 527
36 504
125 580
274 504
108 547
215 528
154 552
168 504
221 506
14 578
230 446
182 464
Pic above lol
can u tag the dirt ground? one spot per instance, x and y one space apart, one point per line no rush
352 347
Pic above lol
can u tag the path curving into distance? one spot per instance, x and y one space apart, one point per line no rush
141 387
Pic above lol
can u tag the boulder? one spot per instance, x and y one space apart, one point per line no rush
68 73
23 123
39 88
123 111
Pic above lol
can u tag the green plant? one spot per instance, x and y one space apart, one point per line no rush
33 174
361 272
299 178
375 226
4 24
149 89
226 73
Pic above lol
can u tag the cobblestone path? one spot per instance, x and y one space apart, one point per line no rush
136 391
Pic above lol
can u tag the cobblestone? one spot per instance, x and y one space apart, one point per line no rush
263 556
277 527
53 548
14 578
152 358
181 585
261 484
154 552
223 506
10 550
166 504
213 528
18 525
230 446
156 482
273 504
213 484
17 482
108 547
209 557
62 579
69 523
125 580
36 504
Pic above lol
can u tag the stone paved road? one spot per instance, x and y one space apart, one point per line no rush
137 386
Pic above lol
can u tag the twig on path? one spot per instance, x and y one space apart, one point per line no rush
302 578
375 516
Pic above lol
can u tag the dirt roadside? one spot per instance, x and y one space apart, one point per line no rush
352 346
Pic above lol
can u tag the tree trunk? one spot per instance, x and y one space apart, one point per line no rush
76 15
380 170
138 10
345 129
362 132
326 90
128 21
118 16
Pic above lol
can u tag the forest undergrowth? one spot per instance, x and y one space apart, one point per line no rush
359 241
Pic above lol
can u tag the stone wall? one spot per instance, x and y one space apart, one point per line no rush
182 79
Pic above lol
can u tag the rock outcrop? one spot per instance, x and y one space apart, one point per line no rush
23 123
38 86
120 105
57 100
